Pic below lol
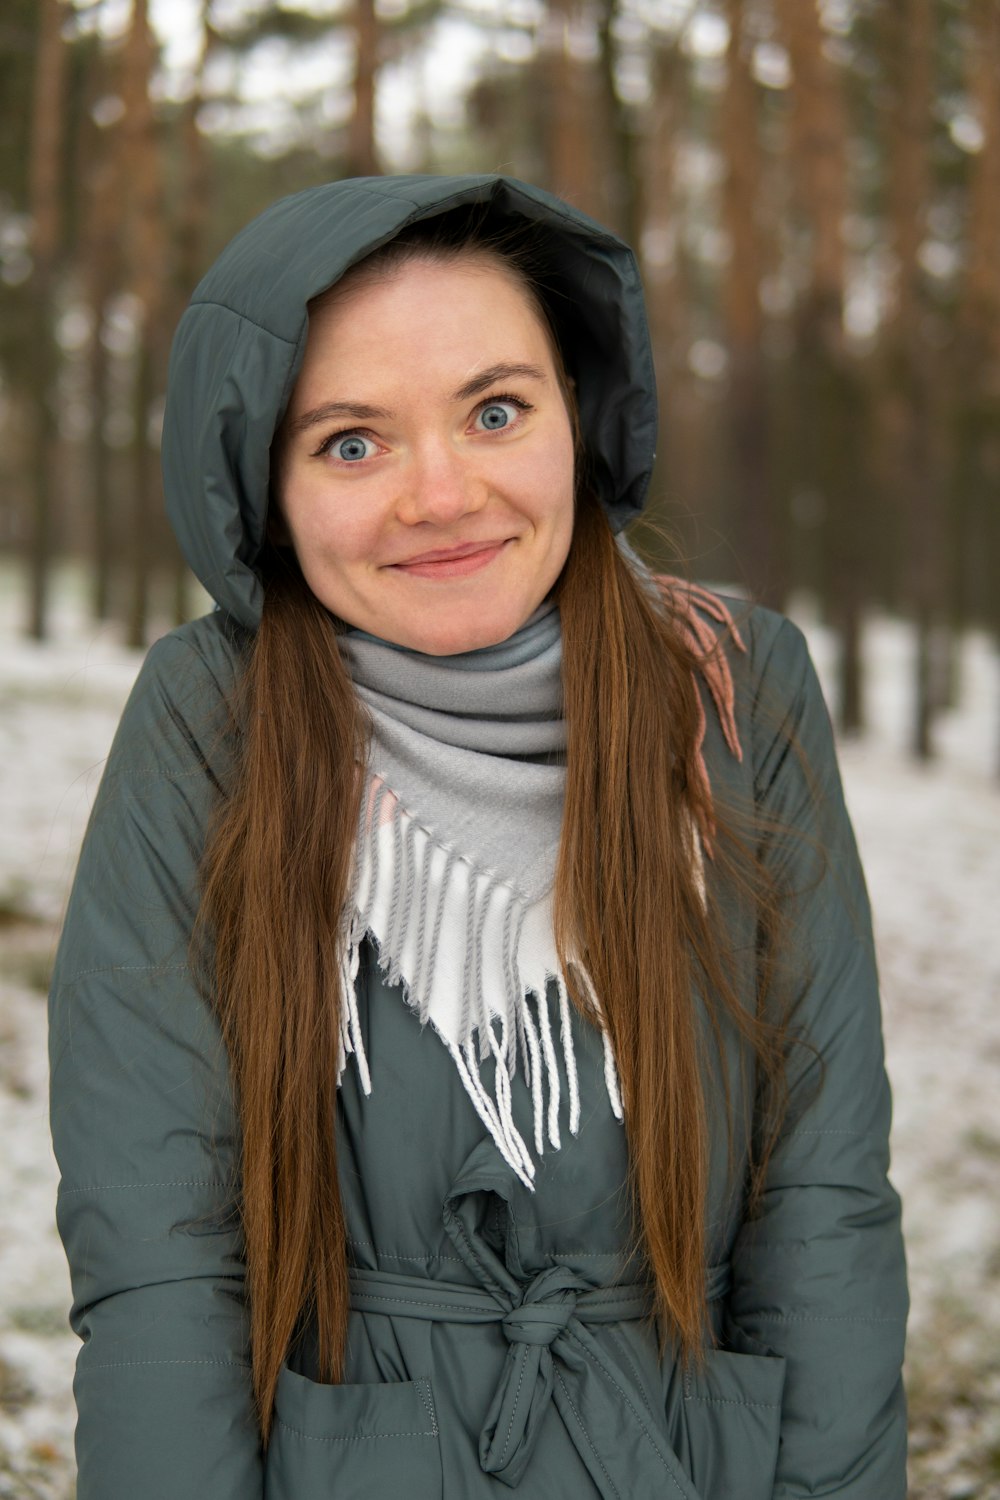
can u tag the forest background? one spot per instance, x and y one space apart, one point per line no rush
813 187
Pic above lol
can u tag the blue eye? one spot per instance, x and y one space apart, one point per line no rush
497 415
352 448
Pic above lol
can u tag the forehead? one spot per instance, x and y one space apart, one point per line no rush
431 304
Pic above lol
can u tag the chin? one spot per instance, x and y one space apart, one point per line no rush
457 643
466 635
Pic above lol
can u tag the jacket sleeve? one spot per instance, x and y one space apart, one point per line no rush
819 1274
143 1123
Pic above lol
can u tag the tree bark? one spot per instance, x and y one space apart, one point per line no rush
977 389
148 274
664 279
749 416
45 189
623 192
101 239
362 156
189 242
910 52
573 115
825 394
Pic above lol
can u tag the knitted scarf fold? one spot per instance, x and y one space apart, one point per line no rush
455 865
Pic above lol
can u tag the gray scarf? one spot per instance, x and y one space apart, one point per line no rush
455 864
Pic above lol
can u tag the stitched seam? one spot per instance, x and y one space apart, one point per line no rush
731 1401
823 1318
124 969
586 1435
423 1386
354 1437
401 1255
418 1302
612 1255
625 1397
132 1364
489 1281
158 771
122 1187
620 1345
211 302
513 1410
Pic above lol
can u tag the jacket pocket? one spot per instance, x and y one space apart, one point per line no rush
725 1420
362 1441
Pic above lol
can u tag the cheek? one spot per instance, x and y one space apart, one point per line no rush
554 484
330 530
544 480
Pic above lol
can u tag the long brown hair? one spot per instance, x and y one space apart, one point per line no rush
627 903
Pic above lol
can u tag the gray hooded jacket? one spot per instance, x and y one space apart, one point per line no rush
496 1338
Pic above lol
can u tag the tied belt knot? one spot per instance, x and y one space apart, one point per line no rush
544 1316
546 1311
547 1318
547 1304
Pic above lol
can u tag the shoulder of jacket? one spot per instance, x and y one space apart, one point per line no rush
214 646
758 685
761 645
178 719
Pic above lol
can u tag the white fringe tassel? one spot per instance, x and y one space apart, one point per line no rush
476 960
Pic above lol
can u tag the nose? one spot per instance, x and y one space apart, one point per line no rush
440 486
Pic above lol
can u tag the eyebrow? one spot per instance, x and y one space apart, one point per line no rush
495 373
358 412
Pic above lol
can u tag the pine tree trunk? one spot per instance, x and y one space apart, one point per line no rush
189 241
623 193
573 116
102 234
664 279
749 415
911 40
824 395
147 241
45 181
977 389
362 156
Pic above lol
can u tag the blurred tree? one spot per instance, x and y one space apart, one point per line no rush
100 254
826 420
45 201
576 127
668 295
149 276
362 156
190 219
749 417
909 42
977 389
623 190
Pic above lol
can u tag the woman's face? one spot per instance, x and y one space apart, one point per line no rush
424 474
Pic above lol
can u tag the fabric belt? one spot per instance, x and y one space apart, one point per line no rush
551 1316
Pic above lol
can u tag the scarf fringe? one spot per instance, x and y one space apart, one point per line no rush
511 1007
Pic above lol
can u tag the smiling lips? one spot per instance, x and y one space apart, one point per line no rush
451 562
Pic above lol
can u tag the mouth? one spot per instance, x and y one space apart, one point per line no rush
452 562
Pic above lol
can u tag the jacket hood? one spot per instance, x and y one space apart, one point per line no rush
239 346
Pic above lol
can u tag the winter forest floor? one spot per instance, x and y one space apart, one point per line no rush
930 838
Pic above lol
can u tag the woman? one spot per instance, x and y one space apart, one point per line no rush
466 1054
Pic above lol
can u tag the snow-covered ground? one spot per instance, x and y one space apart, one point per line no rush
931 842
